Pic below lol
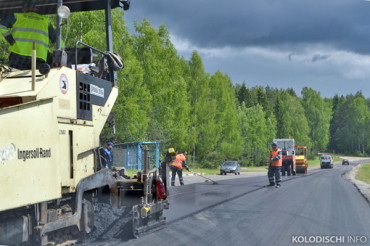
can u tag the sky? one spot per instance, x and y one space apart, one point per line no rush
322 44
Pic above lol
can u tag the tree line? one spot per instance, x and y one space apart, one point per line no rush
163 96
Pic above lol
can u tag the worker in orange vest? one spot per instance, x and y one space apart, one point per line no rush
276 162
177 165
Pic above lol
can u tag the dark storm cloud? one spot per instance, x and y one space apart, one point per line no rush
318 57
341 24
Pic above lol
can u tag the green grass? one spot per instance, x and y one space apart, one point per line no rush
131 173
364 173
316 162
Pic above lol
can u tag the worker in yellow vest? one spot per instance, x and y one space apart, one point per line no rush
276 162
21 30
177 166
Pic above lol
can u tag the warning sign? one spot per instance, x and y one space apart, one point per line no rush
63 83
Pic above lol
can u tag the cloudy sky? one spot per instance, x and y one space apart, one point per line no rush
323 44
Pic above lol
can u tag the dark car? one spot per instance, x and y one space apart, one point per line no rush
230 167
326 161
345 162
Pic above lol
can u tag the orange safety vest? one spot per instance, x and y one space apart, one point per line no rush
273 154
178 161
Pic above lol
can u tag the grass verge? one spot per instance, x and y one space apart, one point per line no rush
363 173
131 173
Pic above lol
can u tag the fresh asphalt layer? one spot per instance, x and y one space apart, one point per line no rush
241 211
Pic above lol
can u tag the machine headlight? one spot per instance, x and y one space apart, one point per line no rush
64 12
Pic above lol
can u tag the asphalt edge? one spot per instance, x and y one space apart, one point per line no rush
361 186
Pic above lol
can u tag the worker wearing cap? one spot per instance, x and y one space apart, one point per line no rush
177 166
276 162
21 30
109 155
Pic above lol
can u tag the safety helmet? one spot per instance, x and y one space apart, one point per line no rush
110 143
274 144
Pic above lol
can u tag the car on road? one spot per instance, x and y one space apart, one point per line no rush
326 161
230 167
345 162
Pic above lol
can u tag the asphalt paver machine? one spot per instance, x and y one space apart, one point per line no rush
51 171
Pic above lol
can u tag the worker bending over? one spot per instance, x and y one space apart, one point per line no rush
176 166
276 162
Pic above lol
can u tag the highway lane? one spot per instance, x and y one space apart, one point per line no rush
241 212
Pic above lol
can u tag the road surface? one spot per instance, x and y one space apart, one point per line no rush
240 211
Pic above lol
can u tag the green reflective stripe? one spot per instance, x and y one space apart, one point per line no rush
31 41
30 30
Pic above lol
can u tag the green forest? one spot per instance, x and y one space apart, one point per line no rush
163 96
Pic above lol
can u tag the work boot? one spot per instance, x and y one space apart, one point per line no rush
182 184
271 184
172 184
278 185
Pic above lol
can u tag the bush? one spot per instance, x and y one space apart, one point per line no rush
208 164
212 160
244 162
311 156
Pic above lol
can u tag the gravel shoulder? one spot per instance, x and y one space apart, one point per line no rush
363 187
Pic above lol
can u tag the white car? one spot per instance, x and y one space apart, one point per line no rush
326 161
